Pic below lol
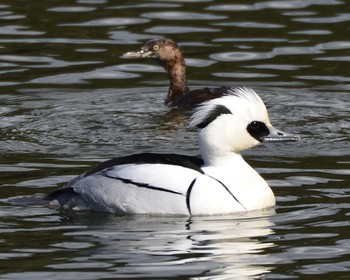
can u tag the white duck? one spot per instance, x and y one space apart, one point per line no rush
170 184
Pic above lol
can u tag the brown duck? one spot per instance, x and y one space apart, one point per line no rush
167 54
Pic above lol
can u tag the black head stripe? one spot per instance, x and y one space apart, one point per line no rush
258 130
217 111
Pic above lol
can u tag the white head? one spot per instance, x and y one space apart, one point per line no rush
233 123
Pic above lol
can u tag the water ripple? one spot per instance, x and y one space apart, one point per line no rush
178 15
83 77
18 30
91 2
312 32
286 67
108 22
338 45
71 9
336 58
250 24
243 75
325 20
178 29
43 61
289 4
145 5
240 56
253 55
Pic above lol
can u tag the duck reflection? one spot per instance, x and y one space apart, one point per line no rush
221 247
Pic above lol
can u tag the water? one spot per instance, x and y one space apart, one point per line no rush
68 100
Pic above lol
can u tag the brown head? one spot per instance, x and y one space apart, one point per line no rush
162 49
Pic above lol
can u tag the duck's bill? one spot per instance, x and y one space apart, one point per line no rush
276 135
137 54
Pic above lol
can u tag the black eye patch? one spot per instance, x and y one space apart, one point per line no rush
217 111
258 130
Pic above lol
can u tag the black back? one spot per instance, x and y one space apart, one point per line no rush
151 158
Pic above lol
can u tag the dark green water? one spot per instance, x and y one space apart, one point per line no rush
68 100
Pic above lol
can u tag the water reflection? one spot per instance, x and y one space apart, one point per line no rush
211 247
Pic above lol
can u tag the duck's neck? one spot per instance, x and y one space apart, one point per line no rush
176 69
223 159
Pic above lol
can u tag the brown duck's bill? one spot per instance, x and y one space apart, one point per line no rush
132 55
136 54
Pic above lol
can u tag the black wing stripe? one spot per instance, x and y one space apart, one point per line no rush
150 158
142 185
188 194
233 196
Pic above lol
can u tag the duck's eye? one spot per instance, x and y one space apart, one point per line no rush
155 47
258 130
256 125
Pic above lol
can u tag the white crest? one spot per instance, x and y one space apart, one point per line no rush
242 101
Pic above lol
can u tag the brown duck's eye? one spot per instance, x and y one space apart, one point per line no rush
155 47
